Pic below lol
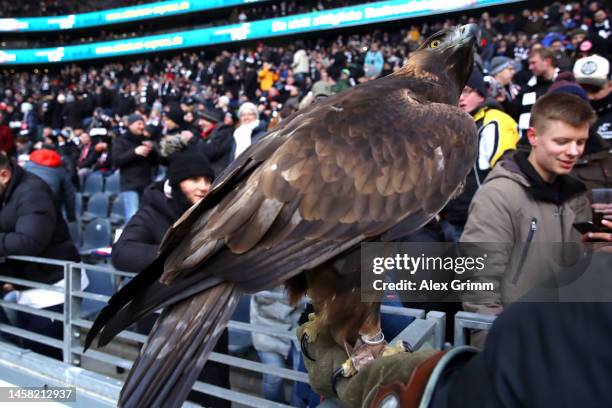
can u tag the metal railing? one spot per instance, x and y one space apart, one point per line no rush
466 321
428 329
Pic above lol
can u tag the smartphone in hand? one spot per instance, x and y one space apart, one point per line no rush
586 227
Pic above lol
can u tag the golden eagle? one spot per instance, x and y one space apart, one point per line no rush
374 162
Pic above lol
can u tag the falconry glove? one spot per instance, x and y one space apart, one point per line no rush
404 369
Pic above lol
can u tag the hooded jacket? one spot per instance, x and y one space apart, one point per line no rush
137 246
47 164
512 208
31 224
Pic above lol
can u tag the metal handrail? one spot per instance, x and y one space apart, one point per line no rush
465 321
30 310
72 323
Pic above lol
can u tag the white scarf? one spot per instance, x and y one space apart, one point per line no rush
242 136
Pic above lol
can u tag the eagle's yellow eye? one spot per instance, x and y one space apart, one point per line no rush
435 44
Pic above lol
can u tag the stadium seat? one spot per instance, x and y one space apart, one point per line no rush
75 233
100 283
117 213
78 205
111 185
94 183
97 234
97 207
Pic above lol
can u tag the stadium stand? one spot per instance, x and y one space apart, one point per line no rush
201 91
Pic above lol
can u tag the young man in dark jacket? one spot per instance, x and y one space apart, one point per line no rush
136 160
189 179
31 224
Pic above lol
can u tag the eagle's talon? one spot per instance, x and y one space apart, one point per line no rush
303 344
349 368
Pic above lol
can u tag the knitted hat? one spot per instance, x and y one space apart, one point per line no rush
134 118
477 83
498 64
211 115
566 83
176 114
186 164
46 157
568 87
248 106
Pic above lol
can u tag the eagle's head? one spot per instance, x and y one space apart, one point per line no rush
446 58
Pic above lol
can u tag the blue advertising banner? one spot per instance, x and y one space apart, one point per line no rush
300 23
115 16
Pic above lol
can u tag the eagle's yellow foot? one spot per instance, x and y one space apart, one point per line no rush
348 369
309 334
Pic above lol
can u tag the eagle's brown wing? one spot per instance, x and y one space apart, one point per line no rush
344 170
353 167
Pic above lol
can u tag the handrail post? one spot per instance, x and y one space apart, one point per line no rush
439 329
67 353
72 276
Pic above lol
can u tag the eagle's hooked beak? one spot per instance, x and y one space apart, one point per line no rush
469 33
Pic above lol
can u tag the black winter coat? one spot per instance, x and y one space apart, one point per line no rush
31 224
138 244
137 248
73 114
136 171
537 355
217 147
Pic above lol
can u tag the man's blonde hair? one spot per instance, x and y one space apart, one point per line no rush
567 108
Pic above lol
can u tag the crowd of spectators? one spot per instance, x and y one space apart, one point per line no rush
136 116
193 98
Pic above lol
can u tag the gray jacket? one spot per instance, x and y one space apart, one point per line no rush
527 239
276 314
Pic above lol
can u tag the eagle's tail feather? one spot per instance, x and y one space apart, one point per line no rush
178 347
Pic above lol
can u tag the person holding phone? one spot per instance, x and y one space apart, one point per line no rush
531 199
134 156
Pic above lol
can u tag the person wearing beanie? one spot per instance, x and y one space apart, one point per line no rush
133 154
497 135
502 70
570 87
218 146
176 135
133 118
47 164
175 117
189 179
250 129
